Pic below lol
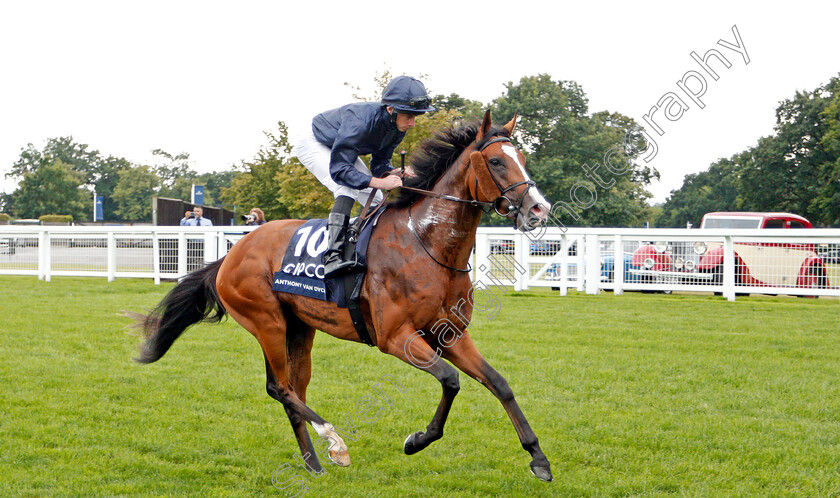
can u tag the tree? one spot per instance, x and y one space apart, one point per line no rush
796 169
567 150
6 203
75 155
277 183
51 189
175 174
552 114
713 190
786 174
465 109
97 173
105 180
214 183
134 191
828 202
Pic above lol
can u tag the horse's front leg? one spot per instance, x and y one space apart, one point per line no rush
464 355
409 346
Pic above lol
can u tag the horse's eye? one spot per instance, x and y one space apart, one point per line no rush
495 162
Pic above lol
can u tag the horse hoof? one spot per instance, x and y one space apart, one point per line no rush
410 445
542 473
340 458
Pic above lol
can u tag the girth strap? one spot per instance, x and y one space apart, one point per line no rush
352 289
353 281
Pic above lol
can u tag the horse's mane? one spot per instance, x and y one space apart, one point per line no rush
437 154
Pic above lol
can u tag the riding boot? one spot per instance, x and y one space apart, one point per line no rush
334 260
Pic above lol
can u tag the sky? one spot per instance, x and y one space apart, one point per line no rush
210 78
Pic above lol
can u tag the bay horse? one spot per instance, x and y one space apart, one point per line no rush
418 255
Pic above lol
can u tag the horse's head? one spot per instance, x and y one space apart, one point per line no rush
499 177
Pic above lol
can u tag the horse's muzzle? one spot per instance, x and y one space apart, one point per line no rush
535 217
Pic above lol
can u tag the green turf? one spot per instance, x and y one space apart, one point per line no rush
632 395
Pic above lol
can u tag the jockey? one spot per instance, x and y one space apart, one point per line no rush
331 150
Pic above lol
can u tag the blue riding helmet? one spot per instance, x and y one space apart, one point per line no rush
408 95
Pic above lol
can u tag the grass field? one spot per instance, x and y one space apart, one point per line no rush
643 395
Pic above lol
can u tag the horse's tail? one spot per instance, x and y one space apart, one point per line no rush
193 300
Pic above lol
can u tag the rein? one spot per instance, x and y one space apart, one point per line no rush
485 206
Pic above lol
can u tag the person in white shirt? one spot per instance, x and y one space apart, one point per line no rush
194 219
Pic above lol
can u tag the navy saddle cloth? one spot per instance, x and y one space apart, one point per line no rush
302 270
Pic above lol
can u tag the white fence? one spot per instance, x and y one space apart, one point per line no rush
731 262
112 252
589 260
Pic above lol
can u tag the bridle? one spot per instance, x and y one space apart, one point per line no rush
496 205
485 206
503 191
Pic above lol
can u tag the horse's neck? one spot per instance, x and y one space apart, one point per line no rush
448 227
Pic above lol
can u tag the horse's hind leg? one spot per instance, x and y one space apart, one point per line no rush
298 424
299 339
275 350
418 354
269 325
464 355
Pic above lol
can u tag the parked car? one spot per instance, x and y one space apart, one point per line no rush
756 264
830 256
607 264
545 247
7 246
501 246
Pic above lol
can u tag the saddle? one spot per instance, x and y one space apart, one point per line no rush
302 269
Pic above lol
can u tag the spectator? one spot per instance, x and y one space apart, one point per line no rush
194 218
255 217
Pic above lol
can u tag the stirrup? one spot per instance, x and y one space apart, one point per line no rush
336 268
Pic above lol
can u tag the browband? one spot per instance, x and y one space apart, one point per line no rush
491 142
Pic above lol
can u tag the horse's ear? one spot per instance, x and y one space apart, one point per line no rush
511 124
486 123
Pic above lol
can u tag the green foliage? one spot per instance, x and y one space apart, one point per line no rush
715 189
797 169
466 109
176 176
134 192
300 194
51 188
97 173
5 217
424 128
55 218
277 183
6 202
567 149
786 173
63 149
171 177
